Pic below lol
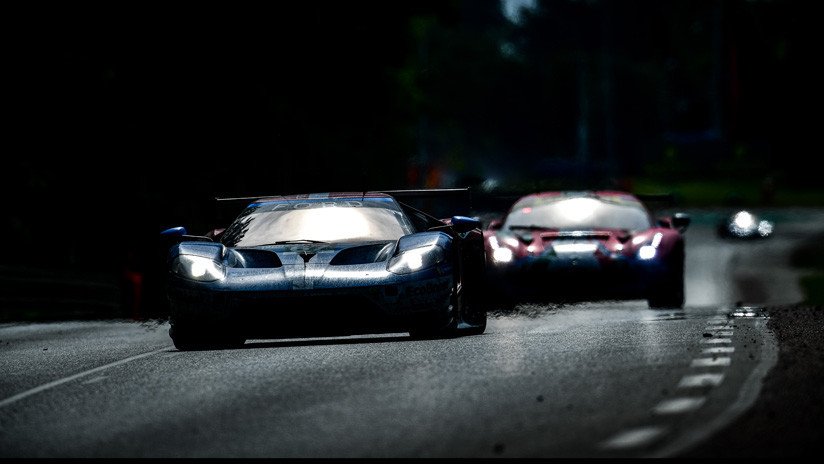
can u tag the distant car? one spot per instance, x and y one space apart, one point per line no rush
745 225
586 245
325 265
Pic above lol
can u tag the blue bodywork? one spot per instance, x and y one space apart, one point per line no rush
326 289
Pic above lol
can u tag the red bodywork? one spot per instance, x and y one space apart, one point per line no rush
598 261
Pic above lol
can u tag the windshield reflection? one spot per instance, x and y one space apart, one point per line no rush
330 221
579 214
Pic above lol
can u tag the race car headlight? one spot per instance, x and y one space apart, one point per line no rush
765 228
198 268
416 259
502 255
647 252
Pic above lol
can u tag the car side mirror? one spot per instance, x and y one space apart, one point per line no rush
174 232
495 224
463 224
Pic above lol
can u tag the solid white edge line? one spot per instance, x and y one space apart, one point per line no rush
59 382
746 398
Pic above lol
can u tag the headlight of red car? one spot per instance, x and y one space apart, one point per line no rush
648 251
500 254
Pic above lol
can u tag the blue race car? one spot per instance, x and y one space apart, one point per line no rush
326 264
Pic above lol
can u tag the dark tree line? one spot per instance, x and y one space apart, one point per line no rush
129 118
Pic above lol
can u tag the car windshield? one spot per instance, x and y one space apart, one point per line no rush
579 213
290 221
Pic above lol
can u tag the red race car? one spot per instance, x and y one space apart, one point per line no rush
590 245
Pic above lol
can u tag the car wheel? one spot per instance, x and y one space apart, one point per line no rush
478 326
475 315
440 325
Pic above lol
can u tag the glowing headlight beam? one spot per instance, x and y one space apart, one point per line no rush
656 239
765 228
646 252
744 220
416 259
502 255
198 268
649 251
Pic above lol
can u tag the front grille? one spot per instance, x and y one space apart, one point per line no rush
278 313
578 283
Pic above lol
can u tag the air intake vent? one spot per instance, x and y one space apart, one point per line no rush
362 254
575 235
251 258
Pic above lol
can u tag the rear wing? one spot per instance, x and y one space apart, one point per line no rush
228 208
435 203
429 208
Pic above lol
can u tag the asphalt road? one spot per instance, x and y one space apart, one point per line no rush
590 380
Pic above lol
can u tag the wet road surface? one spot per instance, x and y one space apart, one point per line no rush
593 379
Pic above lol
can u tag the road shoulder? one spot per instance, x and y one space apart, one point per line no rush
787 419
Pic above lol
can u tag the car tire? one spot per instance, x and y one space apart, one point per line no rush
474 315
438 326
477 327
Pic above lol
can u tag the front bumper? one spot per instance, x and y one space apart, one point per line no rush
266 307
576 278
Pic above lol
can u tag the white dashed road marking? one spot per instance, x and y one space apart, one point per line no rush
718 349
701 380
633 438
716 341
719 327
711 362
720 330
679 405
746 396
